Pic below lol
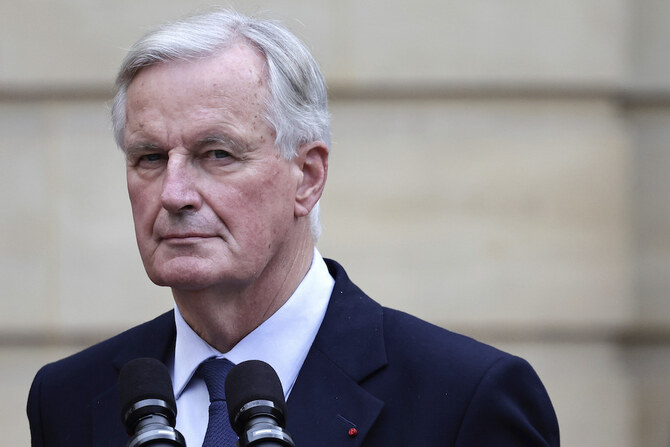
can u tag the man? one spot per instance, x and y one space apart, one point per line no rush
224 123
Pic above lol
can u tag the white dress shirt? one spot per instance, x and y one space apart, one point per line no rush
283 341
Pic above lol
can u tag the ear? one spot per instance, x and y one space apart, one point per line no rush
312 160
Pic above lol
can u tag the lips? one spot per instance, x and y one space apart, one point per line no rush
187 236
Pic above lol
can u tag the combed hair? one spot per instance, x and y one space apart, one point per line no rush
297 104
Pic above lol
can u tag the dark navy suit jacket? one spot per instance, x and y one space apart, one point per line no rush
396 380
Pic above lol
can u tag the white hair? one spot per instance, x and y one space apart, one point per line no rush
297 106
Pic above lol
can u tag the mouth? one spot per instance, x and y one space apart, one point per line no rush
186 238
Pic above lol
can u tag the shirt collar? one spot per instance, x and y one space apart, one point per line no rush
272 342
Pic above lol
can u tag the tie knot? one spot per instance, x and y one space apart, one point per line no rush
213 371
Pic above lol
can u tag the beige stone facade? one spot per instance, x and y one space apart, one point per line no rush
499 168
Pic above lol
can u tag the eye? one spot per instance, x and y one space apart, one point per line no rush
151 157
149 160
217 154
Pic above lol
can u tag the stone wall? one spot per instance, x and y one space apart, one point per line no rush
498 168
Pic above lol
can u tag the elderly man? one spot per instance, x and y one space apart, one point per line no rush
224 124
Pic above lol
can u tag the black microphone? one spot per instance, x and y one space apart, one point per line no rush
256 405
148 407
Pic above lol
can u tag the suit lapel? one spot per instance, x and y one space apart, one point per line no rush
154 339
327 400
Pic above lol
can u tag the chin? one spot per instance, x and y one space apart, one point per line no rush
177 273
192 279
181 281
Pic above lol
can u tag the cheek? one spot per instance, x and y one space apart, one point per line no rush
276 204
273 195
142 203
255 208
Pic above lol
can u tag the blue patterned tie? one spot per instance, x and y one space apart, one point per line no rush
219 433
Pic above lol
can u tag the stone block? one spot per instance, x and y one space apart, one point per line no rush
492 212
487 41
358 43
648 48
503 212
28 245
651 210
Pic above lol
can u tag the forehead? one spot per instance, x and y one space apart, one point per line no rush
176 99
238 72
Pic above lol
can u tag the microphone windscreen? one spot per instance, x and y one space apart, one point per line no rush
249 381
145 378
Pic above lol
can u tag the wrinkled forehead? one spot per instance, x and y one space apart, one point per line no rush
239 57
234 75
175 102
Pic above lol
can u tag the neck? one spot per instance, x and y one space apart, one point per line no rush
222 317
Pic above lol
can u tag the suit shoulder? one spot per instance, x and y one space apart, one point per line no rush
93 358
355 319
419 341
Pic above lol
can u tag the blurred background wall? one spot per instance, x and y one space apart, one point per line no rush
498 168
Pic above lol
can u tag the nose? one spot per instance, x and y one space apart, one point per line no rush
180 193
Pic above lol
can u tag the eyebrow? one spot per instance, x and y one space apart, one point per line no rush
141 148
235 144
